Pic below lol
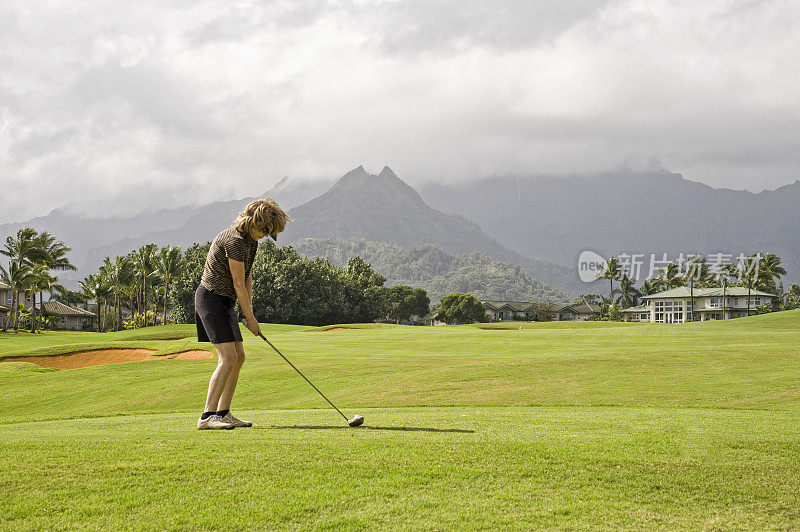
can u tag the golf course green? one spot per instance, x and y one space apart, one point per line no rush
566 425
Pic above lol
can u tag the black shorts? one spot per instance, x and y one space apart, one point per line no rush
215 317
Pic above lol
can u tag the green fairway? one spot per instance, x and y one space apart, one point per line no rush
569 425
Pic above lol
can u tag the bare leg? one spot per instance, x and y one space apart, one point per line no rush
233 379
226 356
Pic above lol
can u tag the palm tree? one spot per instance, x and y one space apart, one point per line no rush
25 248
792 297
749 274
56 252
697 274
41 280
612 271
726 272
769 270
669 277
649 287
92 289
119 274
18 278
628 294
168 265
143 259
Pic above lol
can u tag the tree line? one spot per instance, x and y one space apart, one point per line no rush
155 285
290 288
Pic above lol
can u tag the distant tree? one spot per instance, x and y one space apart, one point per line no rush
544 311
605 306
366 294
611 271
18 278
749 274
403 302
627 293
185 283
669 277
697 274
769 271
458 308
42 281
144 260
792 297
726 273
92 287
649 287
168 265
589 299
119 275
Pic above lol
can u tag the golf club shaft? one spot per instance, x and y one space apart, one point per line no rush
301 374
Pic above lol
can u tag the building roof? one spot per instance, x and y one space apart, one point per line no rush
518 306
581 308
636 310
54 308
682 292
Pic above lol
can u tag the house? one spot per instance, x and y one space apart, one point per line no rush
5 297
66 317
508 310
578 311
639 313
675 305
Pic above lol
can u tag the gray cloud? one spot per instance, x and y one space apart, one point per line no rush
156 105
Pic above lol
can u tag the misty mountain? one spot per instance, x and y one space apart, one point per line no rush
658 212
94 238
383 208
438 272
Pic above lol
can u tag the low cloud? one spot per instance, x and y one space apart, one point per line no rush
156 105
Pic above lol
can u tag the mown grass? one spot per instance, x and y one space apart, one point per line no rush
568 425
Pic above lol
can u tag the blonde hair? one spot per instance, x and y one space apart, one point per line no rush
263 214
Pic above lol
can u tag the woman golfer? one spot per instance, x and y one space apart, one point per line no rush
226 278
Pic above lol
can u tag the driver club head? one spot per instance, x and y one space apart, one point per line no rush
356 421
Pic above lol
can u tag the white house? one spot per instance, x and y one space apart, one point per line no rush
675 305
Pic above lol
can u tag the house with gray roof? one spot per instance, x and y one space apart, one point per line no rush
578 311
66 317
508 310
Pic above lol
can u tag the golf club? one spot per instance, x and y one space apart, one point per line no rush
356 421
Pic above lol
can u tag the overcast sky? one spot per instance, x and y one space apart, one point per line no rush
121 106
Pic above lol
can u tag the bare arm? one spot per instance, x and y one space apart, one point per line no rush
244 291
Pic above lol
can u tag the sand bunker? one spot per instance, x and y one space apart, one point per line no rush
99 357
339 329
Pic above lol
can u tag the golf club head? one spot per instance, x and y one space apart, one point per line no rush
356 421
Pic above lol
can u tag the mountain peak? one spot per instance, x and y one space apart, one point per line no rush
387 172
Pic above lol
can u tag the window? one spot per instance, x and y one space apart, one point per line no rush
733 301
715 302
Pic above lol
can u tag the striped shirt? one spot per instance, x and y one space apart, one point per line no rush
229 244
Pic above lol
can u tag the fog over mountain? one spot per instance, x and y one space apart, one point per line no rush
538 224
627 213
94 238
121 107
